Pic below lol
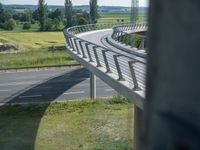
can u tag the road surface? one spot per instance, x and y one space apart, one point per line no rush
49 85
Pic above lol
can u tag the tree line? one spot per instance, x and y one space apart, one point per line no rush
48 20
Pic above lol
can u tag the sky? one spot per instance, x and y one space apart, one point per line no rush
77 2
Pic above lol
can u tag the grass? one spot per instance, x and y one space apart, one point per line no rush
84 125
114 17
36 49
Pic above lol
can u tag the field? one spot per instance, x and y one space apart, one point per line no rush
84 125
37 49
118 18
114 17
44 48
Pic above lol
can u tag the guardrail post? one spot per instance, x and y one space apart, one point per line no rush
82 50
88 51
138 119
118 67
77 49
133 74
132 40
142 44
96 56
72 44
92 86
68 41
106 61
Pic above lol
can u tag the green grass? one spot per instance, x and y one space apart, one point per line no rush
36 49
113 18
84 125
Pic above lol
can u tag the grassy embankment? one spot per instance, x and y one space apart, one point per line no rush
84 125
36 48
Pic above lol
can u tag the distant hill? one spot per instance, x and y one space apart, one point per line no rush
102 9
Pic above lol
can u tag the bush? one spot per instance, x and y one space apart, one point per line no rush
56 24
82 21
137 41
118 99
49 25
26 26
10 24
33 21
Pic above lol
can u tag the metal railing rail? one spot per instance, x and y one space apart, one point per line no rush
124 72
121 32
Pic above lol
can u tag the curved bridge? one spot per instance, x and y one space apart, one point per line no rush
124 71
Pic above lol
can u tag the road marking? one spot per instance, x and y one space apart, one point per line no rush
19 83
30 96
5 90
69 93
108 90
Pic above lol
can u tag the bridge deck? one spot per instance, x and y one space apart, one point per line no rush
123 71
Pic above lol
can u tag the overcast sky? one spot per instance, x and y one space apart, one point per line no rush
77 2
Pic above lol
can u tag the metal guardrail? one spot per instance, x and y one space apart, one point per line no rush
123 71
123 32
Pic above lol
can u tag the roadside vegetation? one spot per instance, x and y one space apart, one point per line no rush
36 49
85 125
34 37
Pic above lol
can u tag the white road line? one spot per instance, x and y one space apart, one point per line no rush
108 90
19 83
69 93
30 96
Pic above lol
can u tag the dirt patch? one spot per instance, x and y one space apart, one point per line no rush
9 48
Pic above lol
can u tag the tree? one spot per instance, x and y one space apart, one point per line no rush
48 25
35 15
4 15
93 11
1 13
10 24
26 26
82 21
57 14
68 12
23 17
56 24
42 14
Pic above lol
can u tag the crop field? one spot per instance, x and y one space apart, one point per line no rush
84 125
114 18
119 18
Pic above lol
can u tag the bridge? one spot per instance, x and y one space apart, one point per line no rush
100 49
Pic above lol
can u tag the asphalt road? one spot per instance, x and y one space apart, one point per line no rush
49 85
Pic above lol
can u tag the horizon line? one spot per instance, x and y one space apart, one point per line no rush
73 5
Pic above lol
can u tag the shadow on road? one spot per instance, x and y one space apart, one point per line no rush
22 134
51 89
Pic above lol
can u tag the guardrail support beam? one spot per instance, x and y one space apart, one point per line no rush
93 86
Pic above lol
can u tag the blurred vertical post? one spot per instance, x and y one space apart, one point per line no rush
137 111
173 95
134 10
138 117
